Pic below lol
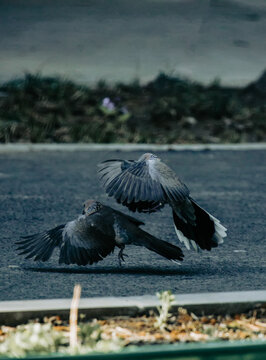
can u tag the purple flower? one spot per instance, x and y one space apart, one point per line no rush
108 104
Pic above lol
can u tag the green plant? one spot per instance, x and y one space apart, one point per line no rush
166 298
33 338
38 108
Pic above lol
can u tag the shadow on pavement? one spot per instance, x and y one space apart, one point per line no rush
127 270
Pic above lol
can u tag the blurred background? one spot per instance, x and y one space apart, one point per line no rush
144 71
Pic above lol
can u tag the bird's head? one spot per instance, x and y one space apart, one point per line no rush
148 156
91 206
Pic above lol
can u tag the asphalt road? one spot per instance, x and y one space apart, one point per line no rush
124 39
42 189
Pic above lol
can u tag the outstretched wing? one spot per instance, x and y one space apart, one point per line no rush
40 246
175 190
84 243
141 185
130 183
80 241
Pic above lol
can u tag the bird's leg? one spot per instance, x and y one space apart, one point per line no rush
121 255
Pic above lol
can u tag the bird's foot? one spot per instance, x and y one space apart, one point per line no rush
121 256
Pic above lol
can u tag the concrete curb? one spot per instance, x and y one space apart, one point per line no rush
13 312
8 148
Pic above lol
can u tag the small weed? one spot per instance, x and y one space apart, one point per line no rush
166 298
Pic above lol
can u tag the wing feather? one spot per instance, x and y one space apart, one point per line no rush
40 246
84 243
131 184
175 189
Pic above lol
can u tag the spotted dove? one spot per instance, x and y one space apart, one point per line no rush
147 184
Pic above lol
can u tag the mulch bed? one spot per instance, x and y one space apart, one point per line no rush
180 327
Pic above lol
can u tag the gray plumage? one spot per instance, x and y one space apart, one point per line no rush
147 184
92 236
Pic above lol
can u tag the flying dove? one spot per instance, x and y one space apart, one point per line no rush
92 236
147 184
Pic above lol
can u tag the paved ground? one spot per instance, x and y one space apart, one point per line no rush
42 189
124 39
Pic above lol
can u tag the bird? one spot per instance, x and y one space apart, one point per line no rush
92 236
147 184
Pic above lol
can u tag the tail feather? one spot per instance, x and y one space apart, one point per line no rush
161 247
220 230
205 232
